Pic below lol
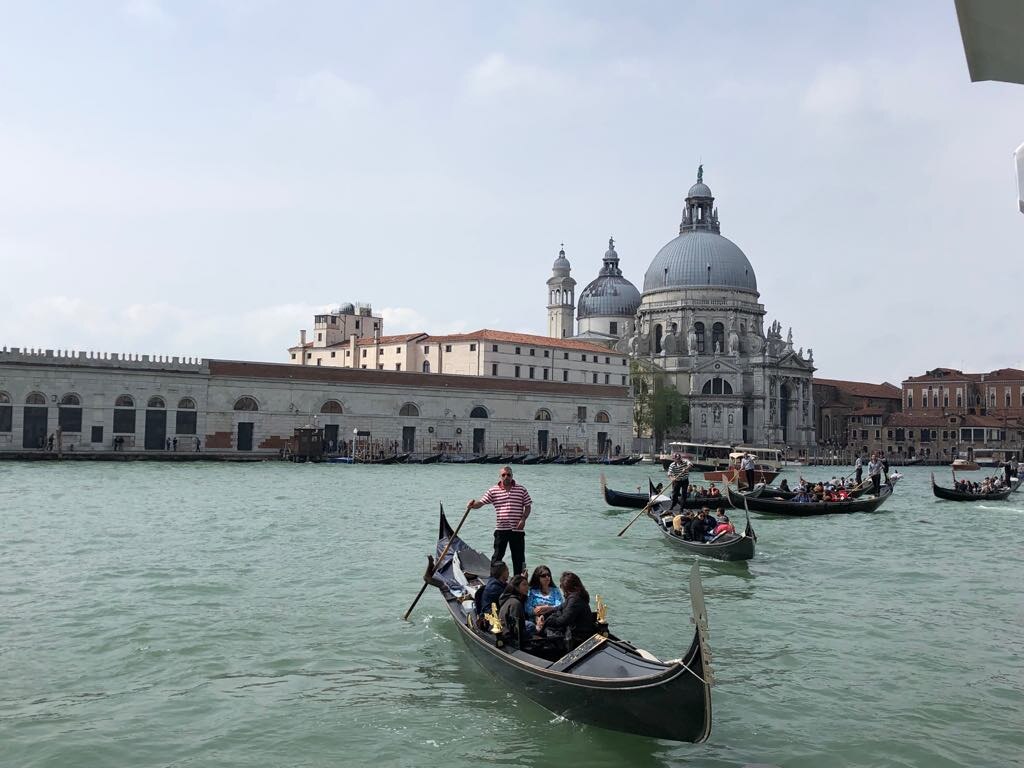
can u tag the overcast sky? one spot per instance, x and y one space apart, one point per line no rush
199 178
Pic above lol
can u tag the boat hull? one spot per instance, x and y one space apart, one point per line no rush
787 508
950 494
733 547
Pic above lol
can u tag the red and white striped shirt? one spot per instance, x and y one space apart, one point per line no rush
509 505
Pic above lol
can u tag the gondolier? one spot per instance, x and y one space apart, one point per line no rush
512 505
679 474
748 465
875 473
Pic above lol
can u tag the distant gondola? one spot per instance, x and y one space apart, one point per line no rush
481 459
953 495
639 500
532 459
431 459
567 460
605 682
865 503
728 546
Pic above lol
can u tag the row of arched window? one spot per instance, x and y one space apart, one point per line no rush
717 336
123 401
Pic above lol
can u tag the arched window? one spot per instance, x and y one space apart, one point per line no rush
543 415
124 401
409 409
331 406
186 404
5 399
185 418
6 413
716 386
601 417
71 399
718 337
156 402
246 404
124 415
698 329
69 417
478 413
426 366
36 398
657 337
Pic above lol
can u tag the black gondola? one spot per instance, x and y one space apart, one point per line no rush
865 503
639 500
481 459
605 682
433 458
951 494
532 459
567 460
730 546
631 460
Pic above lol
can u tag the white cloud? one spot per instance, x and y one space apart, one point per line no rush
497 74
326 91
149 13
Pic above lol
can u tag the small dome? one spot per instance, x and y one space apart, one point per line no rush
608 296
561 265
683 263
347 309
700 189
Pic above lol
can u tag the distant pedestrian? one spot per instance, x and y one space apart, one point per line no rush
174 444
198 444
49 442
167 444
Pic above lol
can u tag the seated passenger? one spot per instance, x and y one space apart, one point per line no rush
688 520
784 485
544 596
724 526
677 525
511 611
573 621
492 590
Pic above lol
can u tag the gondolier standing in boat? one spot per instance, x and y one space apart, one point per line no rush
748 465
875 473
679 474
512 505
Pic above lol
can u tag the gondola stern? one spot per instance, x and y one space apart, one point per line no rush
700 621
444 528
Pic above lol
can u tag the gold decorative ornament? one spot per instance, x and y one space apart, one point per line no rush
602 611
493 620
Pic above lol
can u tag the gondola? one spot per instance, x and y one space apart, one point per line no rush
769 492
433 458
532 459
631 460
639 500
518 458
866 503
951 494
604 682
567 460
732 546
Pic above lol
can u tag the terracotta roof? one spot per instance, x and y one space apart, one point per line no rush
885 390
338 375
384 341
952 374
486 334
868 412
1005 374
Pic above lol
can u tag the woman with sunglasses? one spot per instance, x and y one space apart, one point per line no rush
544 596
574 620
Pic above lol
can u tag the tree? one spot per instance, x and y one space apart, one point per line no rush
670 410
658 407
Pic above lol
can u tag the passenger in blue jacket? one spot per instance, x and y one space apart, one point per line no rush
491 593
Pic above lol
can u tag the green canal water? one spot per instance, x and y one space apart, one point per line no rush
248 615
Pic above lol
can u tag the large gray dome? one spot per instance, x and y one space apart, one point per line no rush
610 295
684 261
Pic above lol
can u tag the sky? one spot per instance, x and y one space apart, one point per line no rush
199 179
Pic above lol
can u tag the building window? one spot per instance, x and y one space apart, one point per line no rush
698 330
293 355
565 375
409 409
607 361
246 403
97 434
960 400
623 380
583 358
716 386
398 350
945 399
581 413
472 347
547 353
543 414
380 351
331 406
494 347
606 378
910 434
447 347
613 328
519 351
334 353
364 353
348 353
595 378
532 369
494 369
533 353
601 417
398 366
595 358
318 361
545 374
426 366
309 355
69 416
479 412
426 350
718 337
319 337
517 371
357 325
565 356
910 399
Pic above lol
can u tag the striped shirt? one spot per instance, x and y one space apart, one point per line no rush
679 470
509 505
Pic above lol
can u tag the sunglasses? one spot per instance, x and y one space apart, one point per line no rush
506 474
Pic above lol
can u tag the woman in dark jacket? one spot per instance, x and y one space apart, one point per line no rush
573 620
512 611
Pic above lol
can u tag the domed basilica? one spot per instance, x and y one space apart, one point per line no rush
699 320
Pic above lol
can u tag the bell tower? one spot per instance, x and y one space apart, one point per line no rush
561 298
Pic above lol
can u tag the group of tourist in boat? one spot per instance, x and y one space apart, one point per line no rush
709 491
699 524
985 487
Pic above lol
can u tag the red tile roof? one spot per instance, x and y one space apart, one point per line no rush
884 390
952 374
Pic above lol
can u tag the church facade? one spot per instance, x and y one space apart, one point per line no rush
699 319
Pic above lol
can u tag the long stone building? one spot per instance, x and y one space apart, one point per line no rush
95 402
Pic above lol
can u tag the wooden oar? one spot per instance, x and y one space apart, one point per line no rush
440 559
650 504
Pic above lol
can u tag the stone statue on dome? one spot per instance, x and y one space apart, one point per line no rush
691 341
